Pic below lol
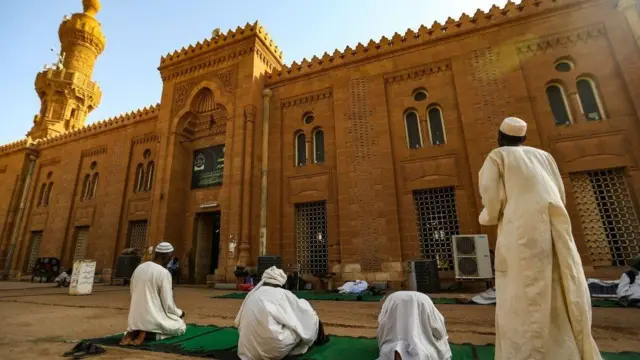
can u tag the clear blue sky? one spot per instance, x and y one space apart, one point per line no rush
140 31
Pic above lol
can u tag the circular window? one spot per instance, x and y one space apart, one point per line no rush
146 154
308 119
93 165
563 66
420 95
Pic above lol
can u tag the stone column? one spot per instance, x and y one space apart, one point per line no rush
266 97
244 249
18 223
631 10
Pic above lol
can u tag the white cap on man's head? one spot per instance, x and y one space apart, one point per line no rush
514 127
164 247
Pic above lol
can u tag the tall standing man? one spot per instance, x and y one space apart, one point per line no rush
543 308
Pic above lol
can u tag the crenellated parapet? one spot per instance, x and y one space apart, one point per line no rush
13 146
451 27
127 118
221 40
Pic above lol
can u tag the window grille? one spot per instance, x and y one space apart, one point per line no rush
138 235
609 220
311 238
437 223
36 239
82 237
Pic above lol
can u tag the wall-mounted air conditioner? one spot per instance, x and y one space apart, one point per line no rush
471 257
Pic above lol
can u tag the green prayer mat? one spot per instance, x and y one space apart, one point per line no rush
221 343
315 295
368 297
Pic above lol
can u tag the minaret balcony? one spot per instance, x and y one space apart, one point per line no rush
62 80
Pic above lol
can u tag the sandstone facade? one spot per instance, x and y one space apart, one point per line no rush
372 153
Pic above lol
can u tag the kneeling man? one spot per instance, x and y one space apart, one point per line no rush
274 323
153 314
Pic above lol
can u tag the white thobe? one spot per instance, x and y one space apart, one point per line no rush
152 307
274 323
543 306
627 290
411 325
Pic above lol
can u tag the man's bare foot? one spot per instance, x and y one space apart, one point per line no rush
128 338
139 339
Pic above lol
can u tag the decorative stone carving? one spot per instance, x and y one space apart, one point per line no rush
307 99
417 73
250 113
226 77
98 150
565 39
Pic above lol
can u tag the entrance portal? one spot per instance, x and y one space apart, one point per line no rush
207 245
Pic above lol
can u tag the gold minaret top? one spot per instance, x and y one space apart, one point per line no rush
91 7
67 92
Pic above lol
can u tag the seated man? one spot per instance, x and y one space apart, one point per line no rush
274 323
153 314
410 327
64 279
629 287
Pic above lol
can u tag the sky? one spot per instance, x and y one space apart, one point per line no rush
138 32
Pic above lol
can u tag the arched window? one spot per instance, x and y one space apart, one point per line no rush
558 103
47 196
318 146
150 168
301 149
94 185
43 189
412 130
139 179
86 186
589 99
436 126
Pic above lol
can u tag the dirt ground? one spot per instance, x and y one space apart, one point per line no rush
41 322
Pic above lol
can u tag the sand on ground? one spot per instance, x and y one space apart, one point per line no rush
41 322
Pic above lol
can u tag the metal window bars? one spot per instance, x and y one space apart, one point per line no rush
609 221
311 238
437 222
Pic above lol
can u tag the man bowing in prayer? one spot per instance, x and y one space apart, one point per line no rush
274 323
410 327
153 314
543 308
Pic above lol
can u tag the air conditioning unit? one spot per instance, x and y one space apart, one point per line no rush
471 257
423 276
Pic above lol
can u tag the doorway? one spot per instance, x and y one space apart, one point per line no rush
207 245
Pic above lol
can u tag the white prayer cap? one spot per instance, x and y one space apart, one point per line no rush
514 127
274 276
164 247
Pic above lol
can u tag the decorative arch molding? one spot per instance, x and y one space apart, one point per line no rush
223 103
224 82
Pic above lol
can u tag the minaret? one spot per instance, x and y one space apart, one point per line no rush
67 93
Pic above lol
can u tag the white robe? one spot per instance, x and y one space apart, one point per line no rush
543 306
628 290
274 323
410 324
152 308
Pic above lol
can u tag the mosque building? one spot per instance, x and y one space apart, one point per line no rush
352 162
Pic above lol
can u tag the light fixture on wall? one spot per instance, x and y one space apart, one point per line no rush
208 205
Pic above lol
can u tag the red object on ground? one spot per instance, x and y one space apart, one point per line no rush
245 287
